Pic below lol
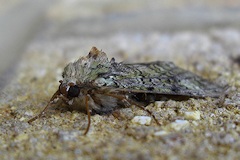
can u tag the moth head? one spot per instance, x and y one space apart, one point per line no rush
69 90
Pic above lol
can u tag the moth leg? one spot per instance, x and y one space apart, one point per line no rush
222 97
88 113
123 98
117 115
145 109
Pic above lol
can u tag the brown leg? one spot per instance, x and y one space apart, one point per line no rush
88 113
123 98
117 115
222 97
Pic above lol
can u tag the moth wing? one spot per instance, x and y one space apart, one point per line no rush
158 78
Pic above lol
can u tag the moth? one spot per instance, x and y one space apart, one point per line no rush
101 86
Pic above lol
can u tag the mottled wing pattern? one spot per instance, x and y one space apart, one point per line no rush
86 69
158 78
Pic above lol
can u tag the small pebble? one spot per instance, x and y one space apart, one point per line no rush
22 119
22 98
29 113
143 120
161 133
21 137
179 124
192 115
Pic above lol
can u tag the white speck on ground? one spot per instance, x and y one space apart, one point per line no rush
143 120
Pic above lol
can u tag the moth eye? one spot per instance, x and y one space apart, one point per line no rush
73 91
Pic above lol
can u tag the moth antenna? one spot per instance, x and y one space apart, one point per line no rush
88 113
54 97
134 103
41 113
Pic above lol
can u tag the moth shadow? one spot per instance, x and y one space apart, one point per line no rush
141 99
63 108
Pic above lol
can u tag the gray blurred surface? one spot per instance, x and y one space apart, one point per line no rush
150 21
18 25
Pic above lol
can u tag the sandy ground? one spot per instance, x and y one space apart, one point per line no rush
193 129
196 128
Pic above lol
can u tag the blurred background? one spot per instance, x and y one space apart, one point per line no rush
23 22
